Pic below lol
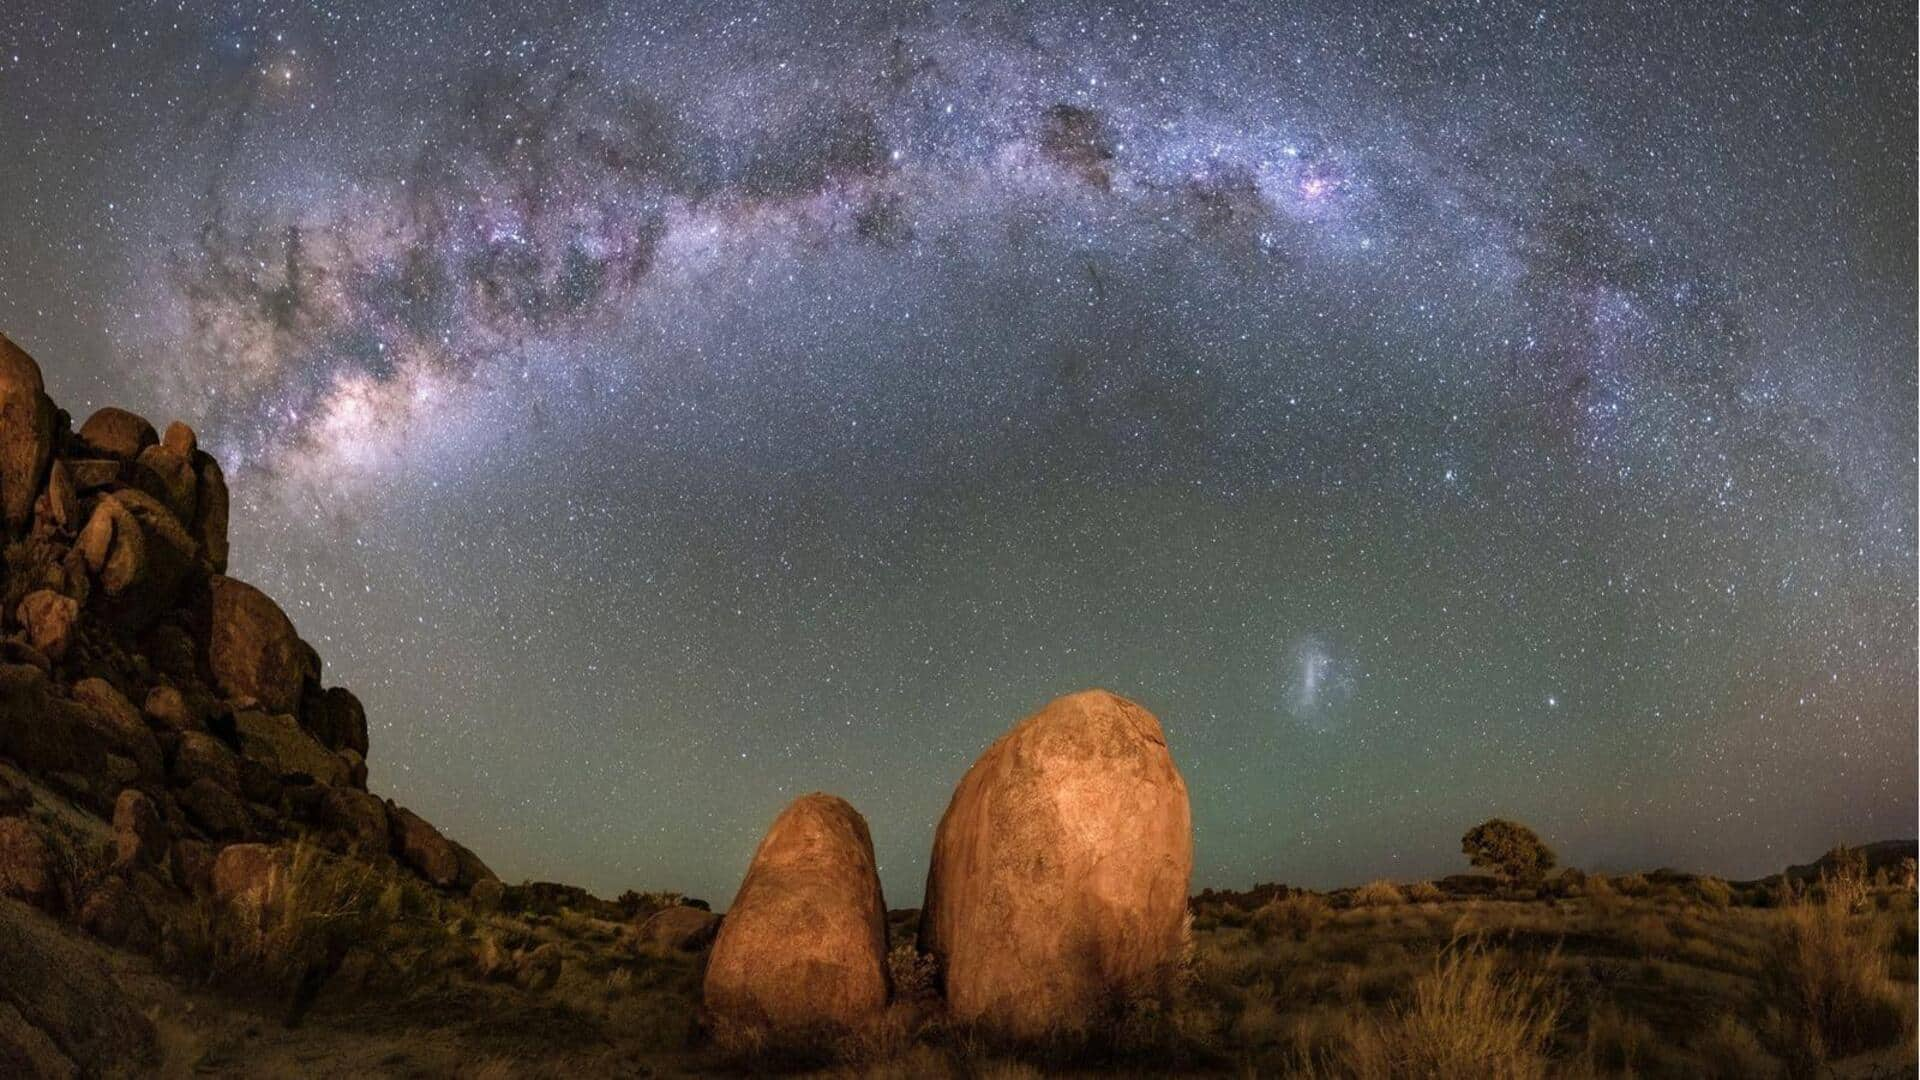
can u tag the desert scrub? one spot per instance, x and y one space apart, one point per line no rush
1425 892
1296 916
1832 970
1378 894
1466 1017
317 908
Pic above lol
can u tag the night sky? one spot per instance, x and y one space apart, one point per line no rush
656 413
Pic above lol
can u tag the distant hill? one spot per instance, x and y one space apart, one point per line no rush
1880 854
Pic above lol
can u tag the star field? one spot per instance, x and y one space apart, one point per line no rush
654 412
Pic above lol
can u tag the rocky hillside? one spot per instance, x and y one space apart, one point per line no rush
157 717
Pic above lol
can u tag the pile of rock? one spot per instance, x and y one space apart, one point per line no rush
1057 890
149 703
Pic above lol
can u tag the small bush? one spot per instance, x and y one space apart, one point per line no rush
1466 1018
1729 1050
1831 967
1635 885
1713 892
1296 916
915 976
1617 1042
1378 894
1425 892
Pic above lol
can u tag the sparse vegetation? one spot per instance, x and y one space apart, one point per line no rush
1669 975
1832 969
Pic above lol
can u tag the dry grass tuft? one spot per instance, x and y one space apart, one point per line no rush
1831 968
1466 1017
1296 916
1378 894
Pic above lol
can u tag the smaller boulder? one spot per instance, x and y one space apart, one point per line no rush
48 618
487 893
281 744
29 866
421 847
140 838
680 928
168 709
358 820
253 650
116 433
336 718
356 768
199 755
802 953
62 498
210 511
121 911
247 875
168 475
125 732
216 809
94 474
180 439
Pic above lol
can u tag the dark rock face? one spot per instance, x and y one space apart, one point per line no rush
254 652
336 718
802 953
177 706
29 866
421 846
140 837
116 433
1060 870
61 1013
26 433
48 618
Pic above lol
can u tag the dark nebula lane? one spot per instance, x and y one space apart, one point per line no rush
657 411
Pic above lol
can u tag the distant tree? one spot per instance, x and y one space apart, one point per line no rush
1509 849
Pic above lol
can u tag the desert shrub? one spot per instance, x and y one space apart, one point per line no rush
1844 883
1729 1050
1830 966
1465 1018
1425 892
1509 849
1618 1042
1378 894
1635 885
317 908
916 976
1713 892
1296 916
1258 1022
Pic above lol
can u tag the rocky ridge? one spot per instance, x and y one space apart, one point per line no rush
159 718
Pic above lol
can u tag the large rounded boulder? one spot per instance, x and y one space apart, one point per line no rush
1058 884
802 954
26 432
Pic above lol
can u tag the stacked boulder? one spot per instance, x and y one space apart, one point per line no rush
144 690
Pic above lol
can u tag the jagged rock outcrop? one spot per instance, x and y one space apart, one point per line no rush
172 712
802 953
1059 877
